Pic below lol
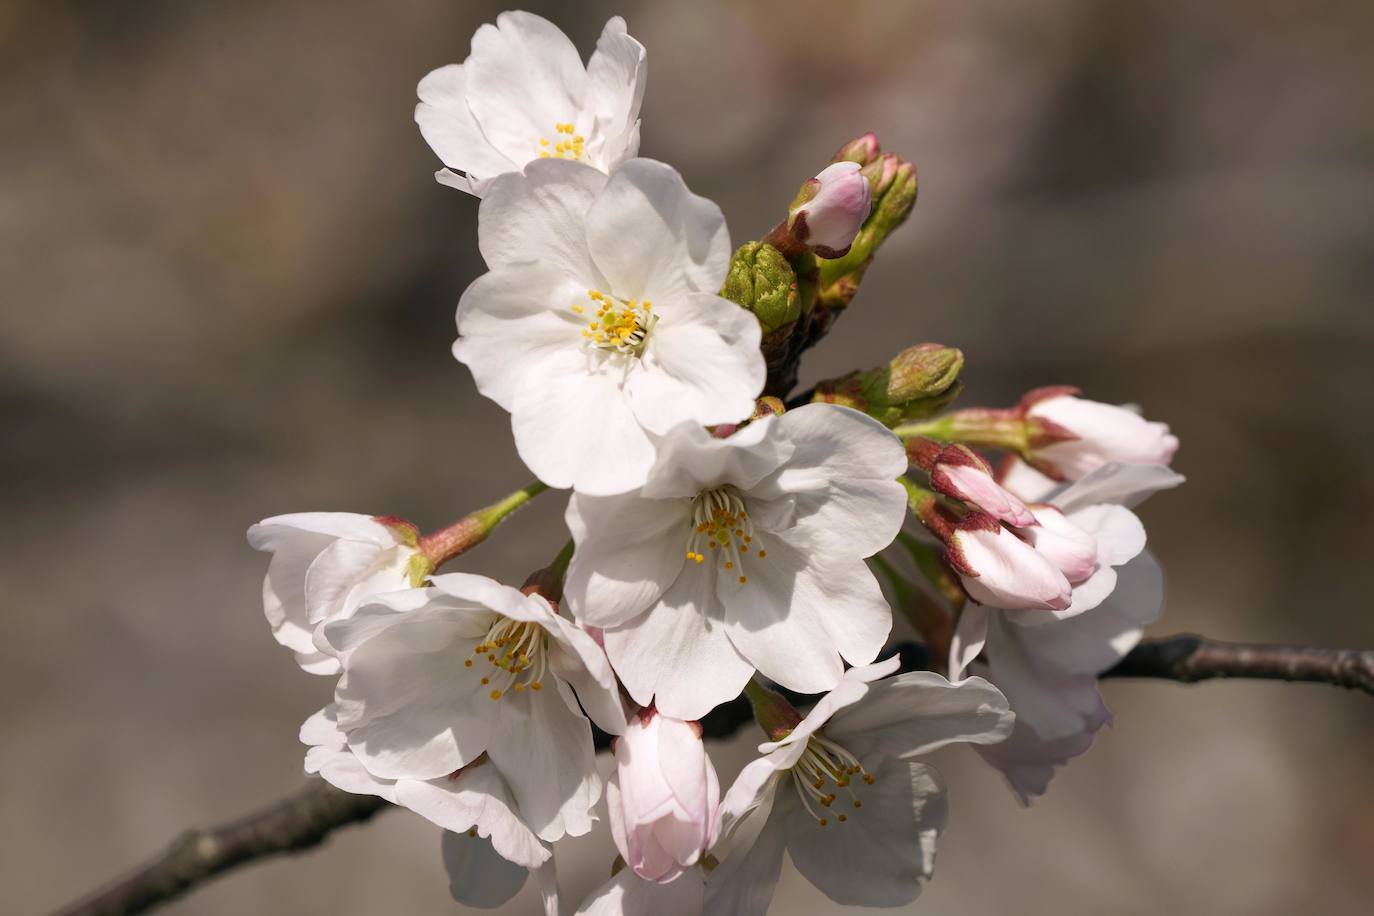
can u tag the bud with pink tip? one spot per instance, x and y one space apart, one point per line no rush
1000 570
1098 434
831 208
664 796
959 472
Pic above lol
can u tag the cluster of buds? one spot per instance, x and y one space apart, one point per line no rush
808 267
994 541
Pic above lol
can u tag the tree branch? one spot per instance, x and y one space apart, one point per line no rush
1190 658
304 819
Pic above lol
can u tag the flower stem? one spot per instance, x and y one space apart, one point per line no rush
984 427
775 715
549 580
466 533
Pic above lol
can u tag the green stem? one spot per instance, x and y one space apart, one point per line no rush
983 427
466 533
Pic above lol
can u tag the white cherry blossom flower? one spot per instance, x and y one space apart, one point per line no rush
1047 662
742 553
1099 434
599 322
664 796
487 847
842 796
436 678
324 564
523 94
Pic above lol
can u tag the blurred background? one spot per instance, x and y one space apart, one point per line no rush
227 281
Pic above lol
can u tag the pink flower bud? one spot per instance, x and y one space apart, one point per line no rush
831 209
960 473
1066 545
664 796
1102 434
1000 570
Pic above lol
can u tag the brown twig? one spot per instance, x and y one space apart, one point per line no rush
1189 658
304 819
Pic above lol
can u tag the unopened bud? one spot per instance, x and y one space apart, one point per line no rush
862 150
917 383
892 183
761 280
831 208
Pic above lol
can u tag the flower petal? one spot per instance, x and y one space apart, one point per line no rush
524 76
743 883
629 551
1123 484
450 129
574 428
701 365
542 744
691 460
478 798
917 712
579 661
477 875
884 853
540 216
654 239
844 475
798 615
627 894
510 322
616 76
678 654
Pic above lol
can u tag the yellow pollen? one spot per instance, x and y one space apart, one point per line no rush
496 694
825 761
762 554
467 663
729 565
823 822
578 310
519 688
535 685
858 803
486 681
842 818
743 579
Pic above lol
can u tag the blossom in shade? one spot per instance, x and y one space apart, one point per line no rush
841 794
831 209
523 94
664 796
1088 434
599 324
436 678
488 849
324 565
1047 662
742 553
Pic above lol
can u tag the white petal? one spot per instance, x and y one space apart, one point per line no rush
480 798
449 128
1053 703
654 239
678 654
691 460
579 661
1124 484
1028 762
701 365
511 321
540 216
852 688
341 769
1010 572
884 853
477 875
574 428
743 883
543 747
629 551
627 894
523 77
917 712
616 75
1025 481
844 474
970 635
409 705
797 616
1119 533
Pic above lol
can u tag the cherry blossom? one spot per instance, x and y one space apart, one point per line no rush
523 94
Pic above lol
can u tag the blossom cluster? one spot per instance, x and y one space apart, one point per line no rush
723 542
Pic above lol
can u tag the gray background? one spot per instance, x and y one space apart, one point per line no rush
227 292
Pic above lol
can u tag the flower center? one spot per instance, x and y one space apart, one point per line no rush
570 148
515 650
720 522
616 325
826 762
